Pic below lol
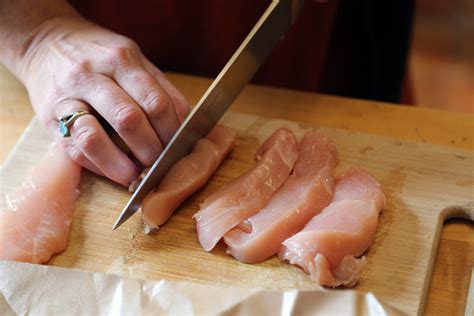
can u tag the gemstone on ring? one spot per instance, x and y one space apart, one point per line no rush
67 120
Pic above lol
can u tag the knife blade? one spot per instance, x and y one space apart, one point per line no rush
238 71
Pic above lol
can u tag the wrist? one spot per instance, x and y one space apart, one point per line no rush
24 26
42 41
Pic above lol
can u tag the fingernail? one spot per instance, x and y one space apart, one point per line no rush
129 173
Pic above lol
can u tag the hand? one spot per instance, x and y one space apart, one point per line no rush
76 65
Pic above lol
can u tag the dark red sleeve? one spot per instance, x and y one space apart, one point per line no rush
323 51
198 37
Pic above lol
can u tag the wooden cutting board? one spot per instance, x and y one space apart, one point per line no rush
424 184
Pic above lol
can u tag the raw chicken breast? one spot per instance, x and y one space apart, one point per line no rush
304 194
187 176
37 222
328 245
247 194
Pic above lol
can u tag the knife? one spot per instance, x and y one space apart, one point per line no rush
238 71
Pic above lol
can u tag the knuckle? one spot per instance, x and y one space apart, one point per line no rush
128 43
156 104
79 71
117 56
127 118
89 140
121 55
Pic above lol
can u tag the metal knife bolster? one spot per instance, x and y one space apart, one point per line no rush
238 71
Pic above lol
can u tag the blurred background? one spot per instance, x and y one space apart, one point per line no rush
442 55
441 60
440 67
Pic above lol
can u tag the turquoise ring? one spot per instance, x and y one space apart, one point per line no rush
67 120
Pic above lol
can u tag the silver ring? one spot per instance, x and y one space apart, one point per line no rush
67 120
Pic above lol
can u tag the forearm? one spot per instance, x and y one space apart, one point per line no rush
23 23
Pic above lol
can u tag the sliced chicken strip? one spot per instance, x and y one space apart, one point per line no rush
36 224
304 194
187 176
330 243
245 195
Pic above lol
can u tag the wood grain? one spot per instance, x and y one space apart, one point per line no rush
139 255
422 184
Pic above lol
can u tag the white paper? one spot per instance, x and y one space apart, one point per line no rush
29 289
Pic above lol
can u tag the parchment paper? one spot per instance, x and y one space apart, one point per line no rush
29 289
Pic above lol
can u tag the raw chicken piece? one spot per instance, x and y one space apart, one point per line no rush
187 176
37 222
328 245
244 196
304 194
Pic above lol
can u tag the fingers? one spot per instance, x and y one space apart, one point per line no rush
92 140
160 102
152 98
90 146
76 155
125 116
180 103
107 73
133 96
